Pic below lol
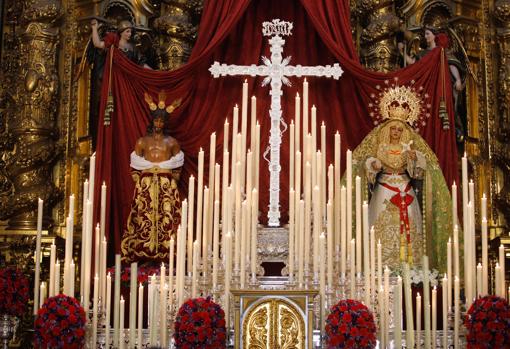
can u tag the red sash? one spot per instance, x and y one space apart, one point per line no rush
402 200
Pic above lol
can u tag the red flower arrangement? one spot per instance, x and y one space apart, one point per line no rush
488 323
350 325
13 291
143 274
200 323
60 323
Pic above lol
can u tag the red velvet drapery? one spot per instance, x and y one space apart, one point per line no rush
230 32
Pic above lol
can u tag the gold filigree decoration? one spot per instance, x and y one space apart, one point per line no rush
256 327
405 103
291 335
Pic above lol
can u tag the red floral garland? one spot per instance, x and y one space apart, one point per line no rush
488 323
13 291
350 325
60 323
200 323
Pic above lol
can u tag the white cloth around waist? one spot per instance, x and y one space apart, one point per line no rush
140 163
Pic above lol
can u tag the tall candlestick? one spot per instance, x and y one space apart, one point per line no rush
108 310
84 233
292 154
224 202
434 316
456 261
322 275
330 232
56 288
253 120
163 333
237 226
43 292
102 267
409 308
337 208
454 204
448 289
116 302
70 275
398 313
456 317
348 174
308 191
353 268
305 109
313 131
216 242
51 286
102 276
301 244
133 302
343 230
140 316
379 264
200 195
253 234
94 310
366 254
205 231
121 339
244 223
444 285
485 258
297 117
418 320
497 282
323 169
257 157
426 300
292 226
358 223
479 289
244 125
191 220
194 270
316 229
210 184
227 278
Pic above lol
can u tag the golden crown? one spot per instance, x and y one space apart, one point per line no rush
403 103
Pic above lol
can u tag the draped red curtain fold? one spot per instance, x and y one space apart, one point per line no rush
230 32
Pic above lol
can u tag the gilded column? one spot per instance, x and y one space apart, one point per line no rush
177 31
31 123
378 51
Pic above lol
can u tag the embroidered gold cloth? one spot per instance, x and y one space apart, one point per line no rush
154 217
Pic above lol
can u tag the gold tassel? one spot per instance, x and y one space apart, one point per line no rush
108 109
443 114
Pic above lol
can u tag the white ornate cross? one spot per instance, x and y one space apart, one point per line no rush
276 70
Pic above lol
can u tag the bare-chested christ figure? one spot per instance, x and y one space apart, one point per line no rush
155 210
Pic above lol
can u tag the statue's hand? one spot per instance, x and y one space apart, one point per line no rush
93 23
458 85
376 166
412 154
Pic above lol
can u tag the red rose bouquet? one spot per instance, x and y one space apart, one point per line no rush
13 291
488 323
350 325
200 323
60 323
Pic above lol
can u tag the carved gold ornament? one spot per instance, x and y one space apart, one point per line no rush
404 103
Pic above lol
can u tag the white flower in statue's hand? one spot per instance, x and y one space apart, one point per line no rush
407 146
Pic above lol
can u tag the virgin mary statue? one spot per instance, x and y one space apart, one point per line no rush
409 201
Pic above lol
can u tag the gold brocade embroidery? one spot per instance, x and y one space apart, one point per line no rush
153 219
391 157
387 230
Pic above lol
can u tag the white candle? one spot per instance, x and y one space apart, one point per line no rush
497 282
108 309
253 229
358 223
313 129
42 295
348 175
343 230
140 316
418 320
227 278
162 321
305 108
353 268
386 303
479 289
444 285
195 275
454 203
366 254
253 120
171 271
88 257
212 161
70 273
102 257
94 310
301 248
330 232
116 302
322 276
69 240
456 261
224 202
448 289
56 288
372 259
121 340
38 256
426 300
200 195
297 117
216 242
434 316
308 192
323 169
237 223
456 321
292 154
205 232
244 125
257 157
292 226
316 229
337 208
51 286
244 221
409 308
92 173
485 258
379 264
191 220
133 302
398 313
